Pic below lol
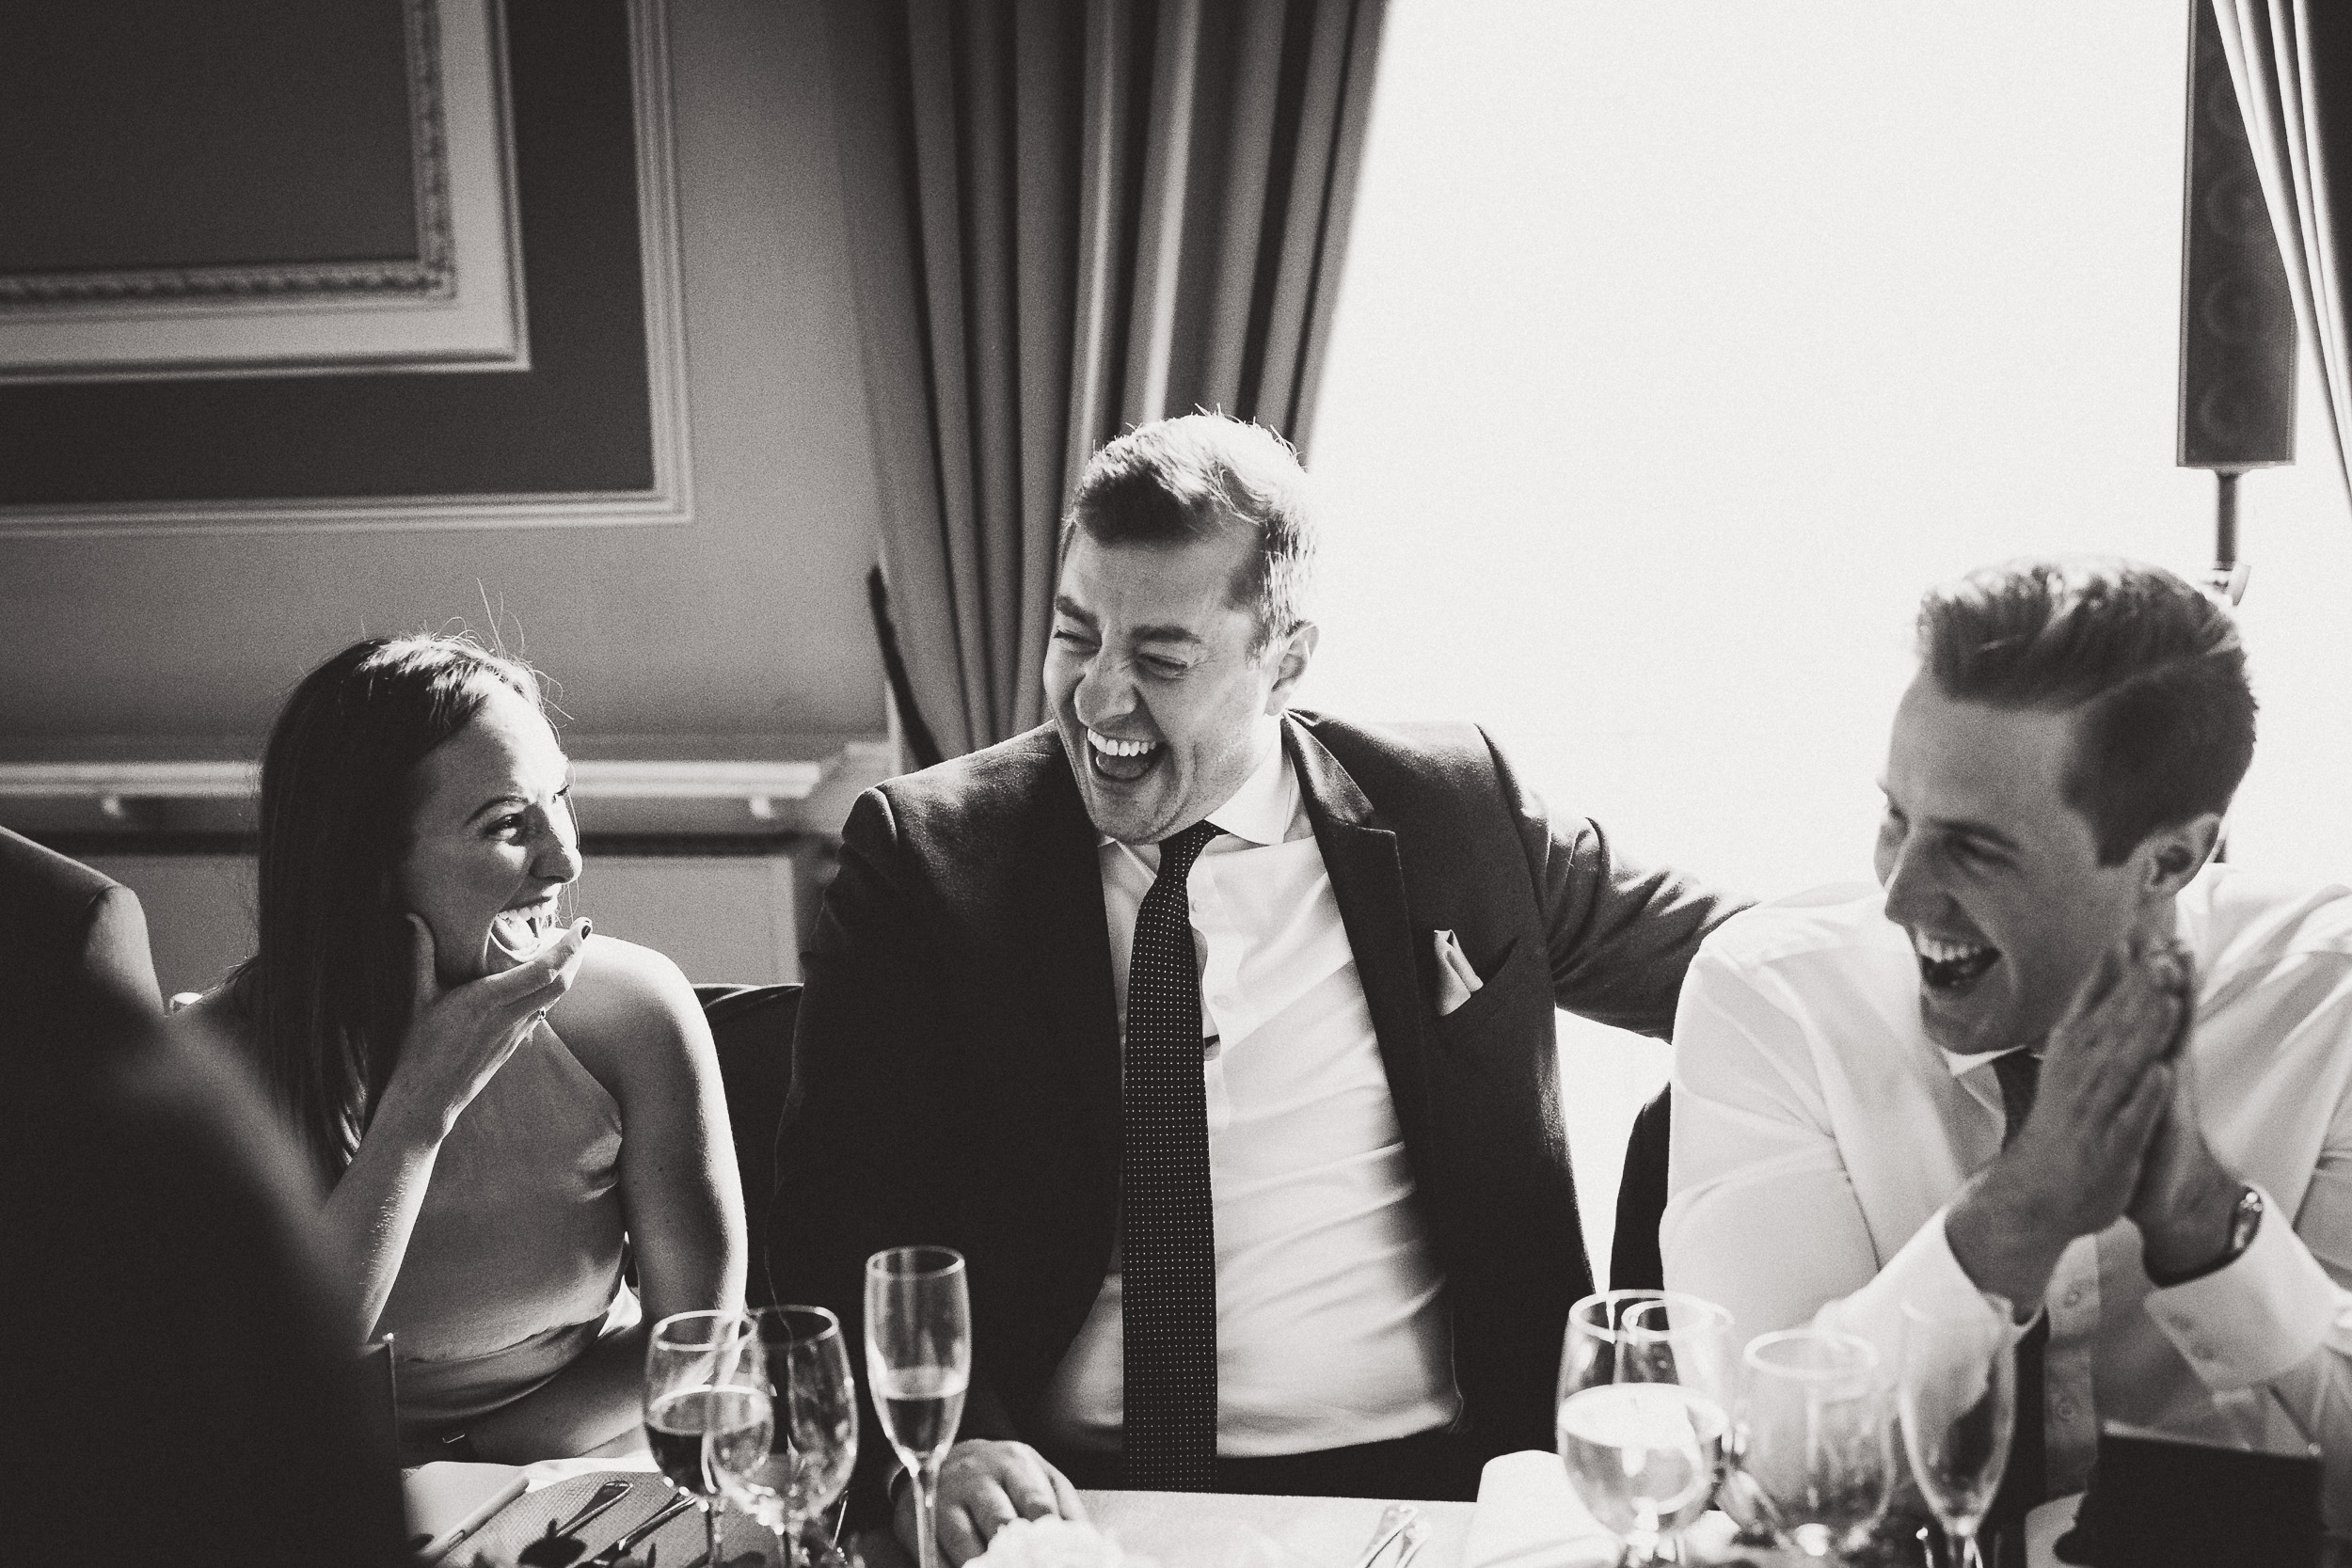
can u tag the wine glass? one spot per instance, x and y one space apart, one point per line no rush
1685 1340
816 1433
1958 1395
1588 1356
1813 1438
709 1414
918 1362
1641 1448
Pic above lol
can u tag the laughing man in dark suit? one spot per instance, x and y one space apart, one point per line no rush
1258 1167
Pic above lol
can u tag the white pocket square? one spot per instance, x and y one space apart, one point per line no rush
1456 979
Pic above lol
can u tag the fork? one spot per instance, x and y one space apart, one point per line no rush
1395 1520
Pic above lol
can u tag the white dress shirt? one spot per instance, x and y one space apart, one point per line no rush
1820 1137
1330 1313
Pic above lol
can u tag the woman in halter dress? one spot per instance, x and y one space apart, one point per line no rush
500 1109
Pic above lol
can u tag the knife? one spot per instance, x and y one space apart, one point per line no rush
604 1499
620 1548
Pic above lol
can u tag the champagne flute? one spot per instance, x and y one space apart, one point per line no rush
1641 1448
1813 1438
1685 1340
1958 1395
815 1434
708 1414
918 1362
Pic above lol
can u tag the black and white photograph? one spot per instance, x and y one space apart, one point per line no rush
1177 783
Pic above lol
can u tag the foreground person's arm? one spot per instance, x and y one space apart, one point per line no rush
633 1022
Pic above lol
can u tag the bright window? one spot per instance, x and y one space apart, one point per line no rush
1682 344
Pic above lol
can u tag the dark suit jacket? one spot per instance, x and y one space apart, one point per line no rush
73 954
189 1329
956 1072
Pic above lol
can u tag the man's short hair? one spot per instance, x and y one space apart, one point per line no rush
2151 667
1195 477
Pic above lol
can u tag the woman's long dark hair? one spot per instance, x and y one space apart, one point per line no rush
326 995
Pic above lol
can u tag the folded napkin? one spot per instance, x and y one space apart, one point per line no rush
1528 1516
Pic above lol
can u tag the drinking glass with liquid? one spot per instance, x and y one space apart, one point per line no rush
918 1363
1643 1413
709 1414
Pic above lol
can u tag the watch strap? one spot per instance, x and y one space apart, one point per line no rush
2246 1218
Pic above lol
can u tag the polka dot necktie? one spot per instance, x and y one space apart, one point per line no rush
2022 1482
1167 1233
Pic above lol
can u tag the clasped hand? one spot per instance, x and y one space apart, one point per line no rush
2113 1133
459 1037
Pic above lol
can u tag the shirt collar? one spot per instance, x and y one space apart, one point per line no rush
1959 1064
1261 809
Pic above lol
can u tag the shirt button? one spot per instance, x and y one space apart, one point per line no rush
2075 1297
2066 1410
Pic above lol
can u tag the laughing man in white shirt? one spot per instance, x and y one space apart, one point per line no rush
2178 1198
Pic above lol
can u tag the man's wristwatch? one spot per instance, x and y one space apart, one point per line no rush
2246 1218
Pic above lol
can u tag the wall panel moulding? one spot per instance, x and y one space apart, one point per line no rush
387 263
329 187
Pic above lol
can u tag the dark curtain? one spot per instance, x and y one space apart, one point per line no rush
1069 217
2291 61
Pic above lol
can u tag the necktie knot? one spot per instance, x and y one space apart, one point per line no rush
2019 1073
1178 851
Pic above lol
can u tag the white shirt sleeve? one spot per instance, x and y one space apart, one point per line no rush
1760 1215
2277 1317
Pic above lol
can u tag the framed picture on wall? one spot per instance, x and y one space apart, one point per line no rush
388 263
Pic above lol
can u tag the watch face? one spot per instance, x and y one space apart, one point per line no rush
2248 1220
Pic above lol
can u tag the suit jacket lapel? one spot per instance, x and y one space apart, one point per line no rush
1368 881
1070 938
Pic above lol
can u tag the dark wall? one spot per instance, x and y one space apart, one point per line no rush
748 621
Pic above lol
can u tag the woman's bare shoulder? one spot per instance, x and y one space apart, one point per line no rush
215 1022
630 1011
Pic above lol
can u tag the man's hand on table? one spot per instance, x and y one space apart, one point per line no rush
2077 1163
983 1486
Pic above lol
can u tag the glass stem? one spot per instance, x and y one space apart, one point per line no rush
710 1524
1966 1553
926 1511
